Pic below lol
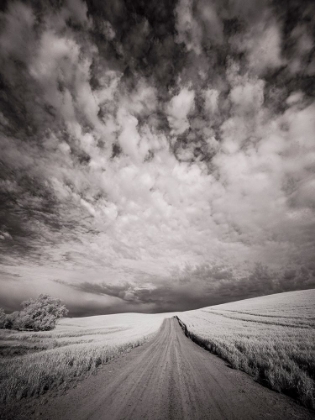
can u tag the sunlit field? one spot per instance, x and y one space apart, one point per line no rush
34 362
271 338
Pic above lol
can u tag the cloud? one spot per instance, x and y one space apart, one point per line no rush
178 109
202 286
18 37
120 290
263 46
198 24
187 28
295 98
137 141
211 100
248 97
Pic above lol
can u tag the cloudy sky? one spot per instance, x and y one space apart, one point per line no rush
156 155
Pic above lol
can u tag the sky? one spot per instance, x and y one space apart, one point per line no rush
156 155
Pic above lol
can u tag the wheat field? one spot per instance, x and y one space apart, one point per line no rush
271 338
35 362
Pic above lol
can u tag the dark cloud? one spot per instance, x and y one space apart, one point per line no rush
121 291
10 276
139 38
194 288
141 137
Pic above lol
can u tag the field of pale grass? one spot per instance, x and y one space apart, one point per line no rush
34 362
271 338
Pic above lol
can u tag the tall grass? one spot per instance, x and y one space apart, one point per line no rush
75 349
35 374
270 338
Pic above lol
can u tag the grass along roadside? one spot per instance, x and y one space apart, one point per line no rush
279 354
60 357
35 374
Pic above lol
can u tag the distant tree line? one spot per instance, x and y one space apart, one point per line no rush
40 314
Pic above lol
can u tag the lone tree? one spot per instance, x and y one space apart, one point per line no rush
41 314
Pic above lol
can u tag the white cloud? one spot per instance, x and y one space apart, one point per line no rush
262 43
266 52
295 98
178 109
211 100
110 193
129 137
248 97
5 235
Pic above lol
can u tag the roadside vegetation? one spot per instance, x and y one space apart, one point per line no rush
272 338
34 362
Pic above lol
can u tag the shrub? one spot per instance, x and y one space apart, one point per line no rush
11 321
40 314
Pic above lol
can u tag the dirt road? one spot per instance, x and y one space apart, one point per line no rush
170 378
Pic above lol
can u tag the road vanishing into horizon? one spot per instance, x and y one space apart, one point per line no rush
170 378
